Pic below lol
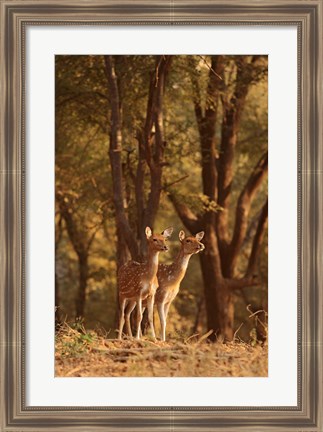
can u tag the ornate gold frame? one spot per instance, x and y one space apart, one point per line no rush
15 17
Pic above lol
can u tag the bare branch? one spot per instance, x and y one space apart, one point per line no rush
207 131
189 219
139 185
243 206
167 185
207 124
257 241
74 96
122 223
196 91
58 231
210 68
232 111
246 282
155 154
76 232
92 236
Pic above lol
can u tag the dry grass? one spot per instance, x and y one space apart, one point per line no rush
88 354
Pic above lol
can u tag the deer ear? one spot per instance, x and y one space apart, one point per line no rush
148 232
167 232
181 235
199 236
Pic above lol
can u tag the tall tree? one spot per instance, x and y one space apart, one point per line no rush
219 260
58 236
81 239
150 138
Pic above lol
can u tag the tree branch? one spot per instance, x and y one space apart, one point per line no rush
92 236
210 68
168 185
151 150
246 282
243 206
139 187
257 240
77 235
232 111
58 230
189 219
147 134
68 97
196 91
207 124
123 227
155 154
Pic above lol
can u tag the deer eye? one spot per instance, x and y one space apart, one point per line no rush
155 240
188 241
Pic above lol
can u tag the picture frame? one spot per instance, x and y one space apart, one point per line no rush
15 17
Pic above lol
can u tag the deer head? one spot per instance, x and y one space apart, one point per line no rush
157 242
191 244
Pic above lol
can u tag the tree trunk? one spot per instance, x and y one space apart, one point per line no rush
81 242
218 297
123 227
198 315
58 320
58 236
150 154
226 312
83 277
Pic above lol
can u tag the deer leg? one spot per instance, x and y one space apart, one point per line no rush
150 306
139 317
143 310
121 317
161 313
129 309
166 309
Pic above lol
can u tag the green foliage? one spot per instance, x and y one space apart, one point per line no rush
74 339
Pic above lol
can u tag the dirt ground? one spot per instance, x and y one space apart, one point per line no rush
89 355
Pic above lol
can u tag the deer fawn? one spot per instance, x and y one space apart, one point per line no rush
169 279
138 281
170 276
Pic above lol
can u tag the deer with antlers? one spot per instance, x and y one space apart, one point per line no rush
169 278
138 281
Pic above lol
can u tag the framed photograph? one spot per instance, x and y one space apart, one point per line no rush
161 202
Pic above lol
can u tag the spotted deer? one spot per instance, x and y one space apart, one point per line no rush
169 278
138 281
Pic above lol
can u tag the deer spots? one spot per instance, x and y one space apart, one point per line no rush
136 281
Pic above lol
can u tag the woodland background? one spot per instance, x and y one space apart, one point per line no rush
160 141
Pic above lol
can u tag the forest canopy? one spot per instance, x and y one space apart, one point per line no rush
163 141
